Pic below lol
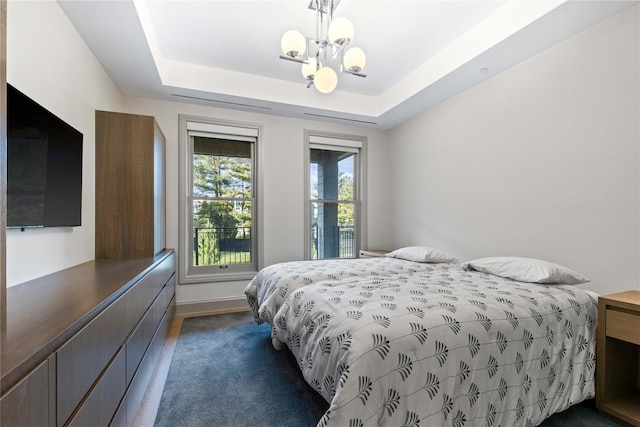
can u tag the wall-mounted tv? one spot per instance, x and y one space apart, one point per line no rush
44 166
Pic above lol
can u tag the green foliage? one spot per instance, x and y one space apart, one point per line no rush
346 211
220 215
225 177
346 216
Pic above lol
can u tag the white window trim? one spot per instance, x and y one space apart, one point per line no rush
222 127
352 143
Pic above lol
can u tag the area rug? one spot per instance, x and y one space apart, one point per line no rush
225 372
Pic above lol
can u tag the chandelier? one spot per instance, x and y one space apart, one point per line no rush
332 38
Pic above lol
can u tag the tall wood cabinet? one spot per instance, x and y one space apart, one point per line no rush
130 187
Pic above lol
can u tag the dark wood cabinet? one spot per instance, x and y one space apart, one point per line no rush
79 346
130 187
101 404
137 344
79 351
81 360
27 403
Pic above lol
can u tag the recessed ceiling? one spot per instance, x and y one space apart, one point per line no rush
226 53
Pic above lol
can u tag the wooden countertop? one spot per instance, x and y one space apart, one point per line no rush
45 312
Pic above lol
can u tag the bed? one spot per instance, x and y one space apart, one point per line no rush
272 285
441 344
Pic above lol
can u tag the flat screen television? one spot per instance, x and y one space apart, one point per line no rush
44 166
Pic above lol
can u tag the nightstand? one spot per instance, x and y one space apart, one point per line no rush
618 356
365 253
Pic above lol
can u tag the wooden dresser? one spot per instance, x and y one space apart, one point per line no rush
618 358
82 343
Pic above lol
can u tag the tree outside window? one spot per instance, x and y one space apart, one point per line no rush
222 201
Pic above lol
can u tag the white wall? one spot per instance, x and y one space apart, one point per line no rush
541 160
282 175
49 62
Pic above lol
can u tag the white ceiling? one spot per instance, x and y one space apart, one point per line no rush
226 53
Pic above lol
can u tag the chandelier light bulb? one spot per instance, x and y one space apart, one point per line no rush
293 43
354 59
325 80
341 31
329 48
309 70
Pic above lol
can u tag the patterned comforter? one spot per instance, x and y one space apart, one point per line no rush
438 346
272 285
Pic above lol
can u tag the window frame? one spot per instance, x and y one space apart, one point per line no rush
337 142
188 273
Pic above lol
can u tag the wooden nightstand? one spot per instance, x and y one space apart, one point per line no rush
365 253
618 356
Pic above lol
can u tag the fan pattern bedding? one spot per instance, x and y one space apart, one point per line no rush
436 345
268 290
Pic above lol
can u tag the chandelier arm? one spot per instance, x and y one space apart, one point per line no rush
327 78
299 60
353 73
339 51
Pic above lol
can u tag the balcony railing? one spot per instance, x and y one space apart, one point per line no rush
221 245
342 235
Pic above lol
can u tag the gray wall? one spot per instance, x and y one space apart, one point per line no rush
541 160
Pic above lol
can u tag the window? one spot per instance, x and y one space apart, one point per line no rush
218 196
334 188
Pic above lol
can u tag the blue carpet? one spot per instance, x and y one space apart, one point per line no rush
225 372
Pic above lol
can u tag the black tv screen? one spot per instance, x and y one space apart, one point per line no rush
44 166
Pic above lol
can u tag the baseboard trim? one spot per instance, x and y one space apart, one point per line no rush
211 307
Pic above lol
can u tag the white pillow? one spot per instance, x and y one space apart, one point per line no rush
422 254
526 270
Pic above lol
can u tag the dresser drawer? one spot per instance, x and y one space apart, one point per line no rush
140 297
162 302
83 358
623 326
27 404
100 406
137 344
